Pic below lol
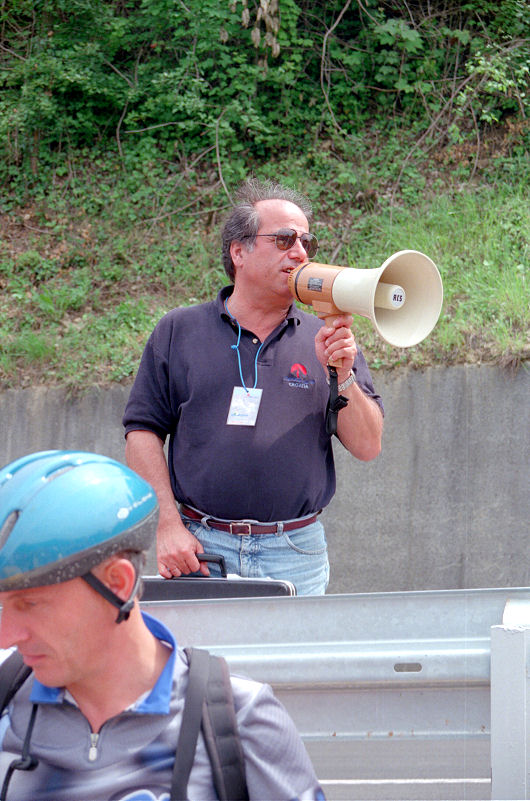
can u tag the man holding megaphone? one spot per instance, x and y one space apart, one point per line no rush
242 387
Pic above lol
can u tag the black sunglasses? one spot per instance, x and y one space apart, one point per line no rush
286 237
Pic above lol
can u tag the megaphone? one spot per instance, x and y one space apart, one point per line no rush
403 298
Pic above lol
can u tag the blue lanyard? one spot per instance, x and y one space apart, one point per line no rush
236 348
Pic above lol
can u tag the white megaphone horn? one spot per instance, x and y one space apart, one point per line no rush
403 298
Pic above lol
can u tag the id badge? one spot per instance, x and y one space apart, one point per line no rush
244 407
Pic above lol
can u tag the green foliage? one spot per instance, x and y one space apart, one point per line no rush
498 76
125 126
183 78
104 257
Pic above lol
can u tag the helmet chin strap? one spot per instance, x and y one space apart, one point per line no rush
123 606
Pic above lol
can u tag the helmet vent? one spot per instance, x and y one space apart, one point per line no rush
58 471
7 528
6 478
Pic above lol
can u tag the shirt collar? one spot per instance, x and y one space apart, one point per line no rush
154 702
293 314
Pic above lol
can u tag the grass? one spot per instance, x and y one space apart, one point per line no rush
91 256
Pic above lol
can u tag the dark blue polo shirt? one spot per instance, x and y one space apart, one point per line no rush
279 469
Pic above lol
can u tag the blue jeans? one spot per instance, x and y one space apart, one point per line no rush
299 556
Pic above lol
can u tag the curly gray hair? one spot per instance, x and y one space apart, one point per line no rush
243 222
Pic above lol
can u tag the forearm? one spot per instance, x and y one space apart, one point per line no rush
176 547
144 453
360 424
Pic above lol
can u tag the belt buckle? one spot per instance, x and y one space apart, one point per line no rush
240 523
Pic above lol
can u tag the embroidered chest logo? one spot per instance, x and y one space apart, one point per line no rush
298 377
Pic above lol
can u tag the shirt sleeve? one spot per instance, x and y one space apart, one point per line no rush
364 379
149 407
277 763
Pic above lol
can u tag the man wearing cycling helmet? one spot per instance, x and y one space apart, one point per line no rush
100 716
240 387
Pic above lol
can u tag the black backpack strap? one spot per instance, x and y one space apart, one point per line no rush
219 728
209 702
191 722
13 674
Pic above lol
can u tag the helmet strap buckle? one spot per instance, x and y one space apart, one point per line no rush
124 607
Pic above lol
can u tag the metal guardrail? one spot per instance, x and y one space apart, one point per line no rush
397 695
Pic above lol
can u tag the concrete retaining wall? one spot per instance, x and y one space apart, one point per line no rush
445 506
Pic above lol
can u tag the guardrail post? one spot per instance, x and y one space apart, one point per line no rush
510 703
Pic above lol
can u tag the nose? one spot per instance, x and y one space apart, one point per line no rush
297 250
11 632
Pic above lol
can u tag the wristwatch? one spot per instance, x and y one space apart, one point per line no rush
349 381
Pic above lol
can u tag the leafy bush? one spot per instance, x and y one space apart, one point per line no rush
126 124
185 78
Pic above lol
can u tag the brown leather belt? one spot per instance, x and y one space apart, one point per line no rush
244 527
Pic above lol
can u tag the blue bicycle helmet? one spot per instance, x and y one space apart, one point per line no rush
63 512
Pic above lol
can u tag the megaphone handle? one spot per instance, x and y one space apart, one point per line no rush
329 319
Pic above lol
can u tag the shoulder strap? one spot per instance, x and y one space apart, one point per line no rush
209 701
13 674
219 728
191 722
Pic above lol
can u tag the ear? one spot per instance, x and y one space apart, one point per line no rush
118 574
236 252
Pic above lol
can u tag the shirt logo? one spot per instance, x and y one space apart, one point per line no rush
298 377
298 370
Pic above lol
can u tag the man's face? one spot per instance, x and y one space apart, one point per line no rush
56 629
265 269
